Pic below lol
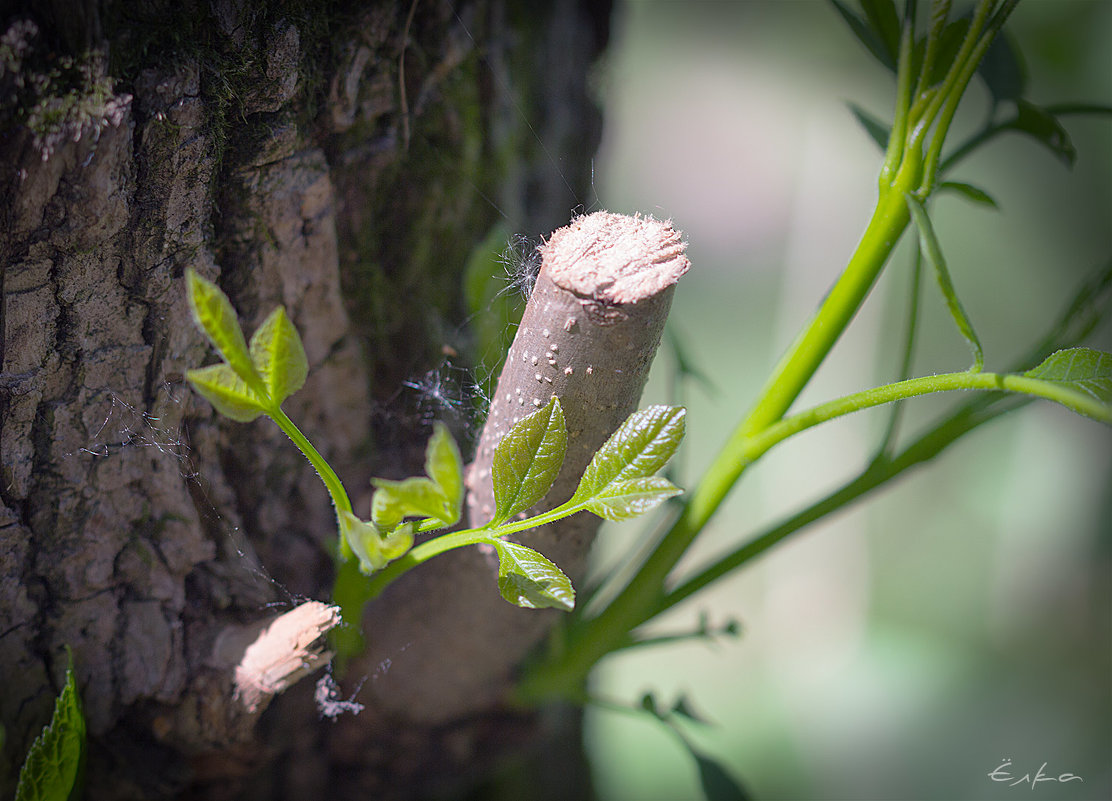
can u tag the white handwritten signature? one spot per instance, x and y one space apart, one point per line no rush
1003 774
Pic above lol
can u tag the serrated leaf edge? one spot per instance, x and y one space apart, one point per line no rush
510 501
513 551
67 712
280 358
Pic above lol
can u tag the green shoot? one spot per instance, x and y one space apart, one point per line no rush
53 768
619 483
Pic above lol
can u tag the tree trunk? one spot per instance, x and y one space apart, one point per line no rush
342 159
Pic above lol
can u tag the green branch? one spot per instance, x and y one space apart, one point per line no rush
332 481
882 470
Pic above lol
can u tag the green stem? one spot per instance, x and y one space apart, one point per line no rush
926 385
880 472
423 553
591 639
460 539
1081 315
909 338
940 15
335 487
929 245
801 361
897 139
640 600
945 101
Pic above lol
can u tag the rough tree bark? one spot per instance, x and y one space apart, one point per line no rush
340 158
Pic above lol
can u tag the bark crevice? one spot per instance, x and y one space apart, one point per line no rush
213 141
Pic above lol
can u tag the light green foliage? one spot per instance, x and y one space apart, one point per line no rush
617 485
214 315
444 466
252 380
1084 374
527 579
619 482
438 497
416 497
53 768
226 391
621 500
527 461
279 356
373 547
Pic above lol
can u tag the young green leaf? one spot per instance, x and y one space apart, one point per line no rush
1044 126
374 549
622 500
213 313
226 391
932 250
865 33
411 497
1084 371
439 497
527 461
444 466
54 764
716 781
969 192
1002 70
884 20
279 356
527 579
877 130
641 446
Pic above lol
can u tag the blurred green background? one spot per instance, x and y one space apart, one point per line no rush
906 647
